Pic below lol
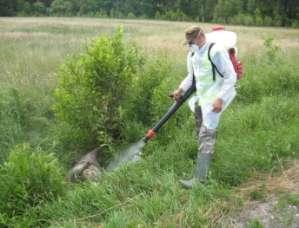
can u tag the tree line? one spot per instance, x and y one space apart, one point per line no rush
246 12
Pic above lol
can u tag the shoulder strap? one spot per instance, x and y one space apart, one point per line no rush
214 68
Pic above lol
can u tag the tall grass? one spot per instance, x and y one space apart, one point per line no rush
253 137
11 121
258 131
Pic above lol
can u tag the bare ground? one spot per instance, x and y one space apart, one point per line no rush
270 202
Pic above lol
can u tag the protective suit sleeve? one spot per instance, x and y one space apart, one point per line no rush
187 82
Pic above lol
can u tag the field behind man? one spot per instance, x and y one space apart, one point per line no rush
257 139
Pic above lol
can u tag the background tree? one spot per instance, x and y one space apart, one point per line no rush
8 7
247 12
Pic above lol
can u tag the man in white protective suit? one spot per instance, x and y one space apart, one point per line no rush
211 69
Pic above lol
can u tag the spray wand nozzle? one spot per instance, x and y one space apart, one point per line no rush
149 135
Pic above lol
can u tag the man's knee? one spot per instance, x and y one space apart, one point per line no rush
207 133
207 139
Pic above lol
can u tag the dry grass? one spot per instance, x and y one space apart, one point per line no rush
232 213
288 180
153 35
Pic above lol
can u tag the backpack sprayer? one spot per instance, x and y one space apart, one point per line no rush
133 153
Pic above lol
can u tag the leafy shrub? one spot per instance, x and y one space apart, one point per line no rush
28 179
92 90
140 103
138 111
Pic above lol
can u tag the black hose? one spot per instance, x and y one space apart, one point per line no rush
171 111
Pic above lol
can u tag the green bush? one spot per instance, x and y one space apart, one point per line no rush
92 91
28 179
140 101
138 111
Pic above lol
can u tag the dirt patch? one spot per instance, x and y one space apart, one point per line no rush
271 201
269 214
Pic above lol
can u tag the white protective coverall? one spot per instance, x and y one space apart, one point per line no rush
208 91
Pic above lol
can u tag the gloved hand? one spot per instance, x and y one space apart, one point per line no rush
177 94
217 105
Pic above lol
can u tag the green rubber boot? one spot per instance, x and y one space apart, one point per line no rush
201 171
207 139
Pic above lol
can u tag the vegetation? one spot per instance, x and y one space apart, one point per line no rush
249 12
92 90
28 179
58 100
10 121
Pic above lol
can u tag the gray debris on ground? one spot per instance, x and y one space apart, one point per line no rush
274 211
269 215
87 168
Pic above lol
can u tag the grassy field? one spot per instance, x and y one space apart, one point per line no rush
258 134
33 48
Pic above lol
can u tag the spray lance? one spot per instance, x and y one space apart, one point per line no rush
133 153
151 133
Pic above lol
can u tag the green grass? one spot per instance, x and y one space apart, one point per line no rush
258 131
11 121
